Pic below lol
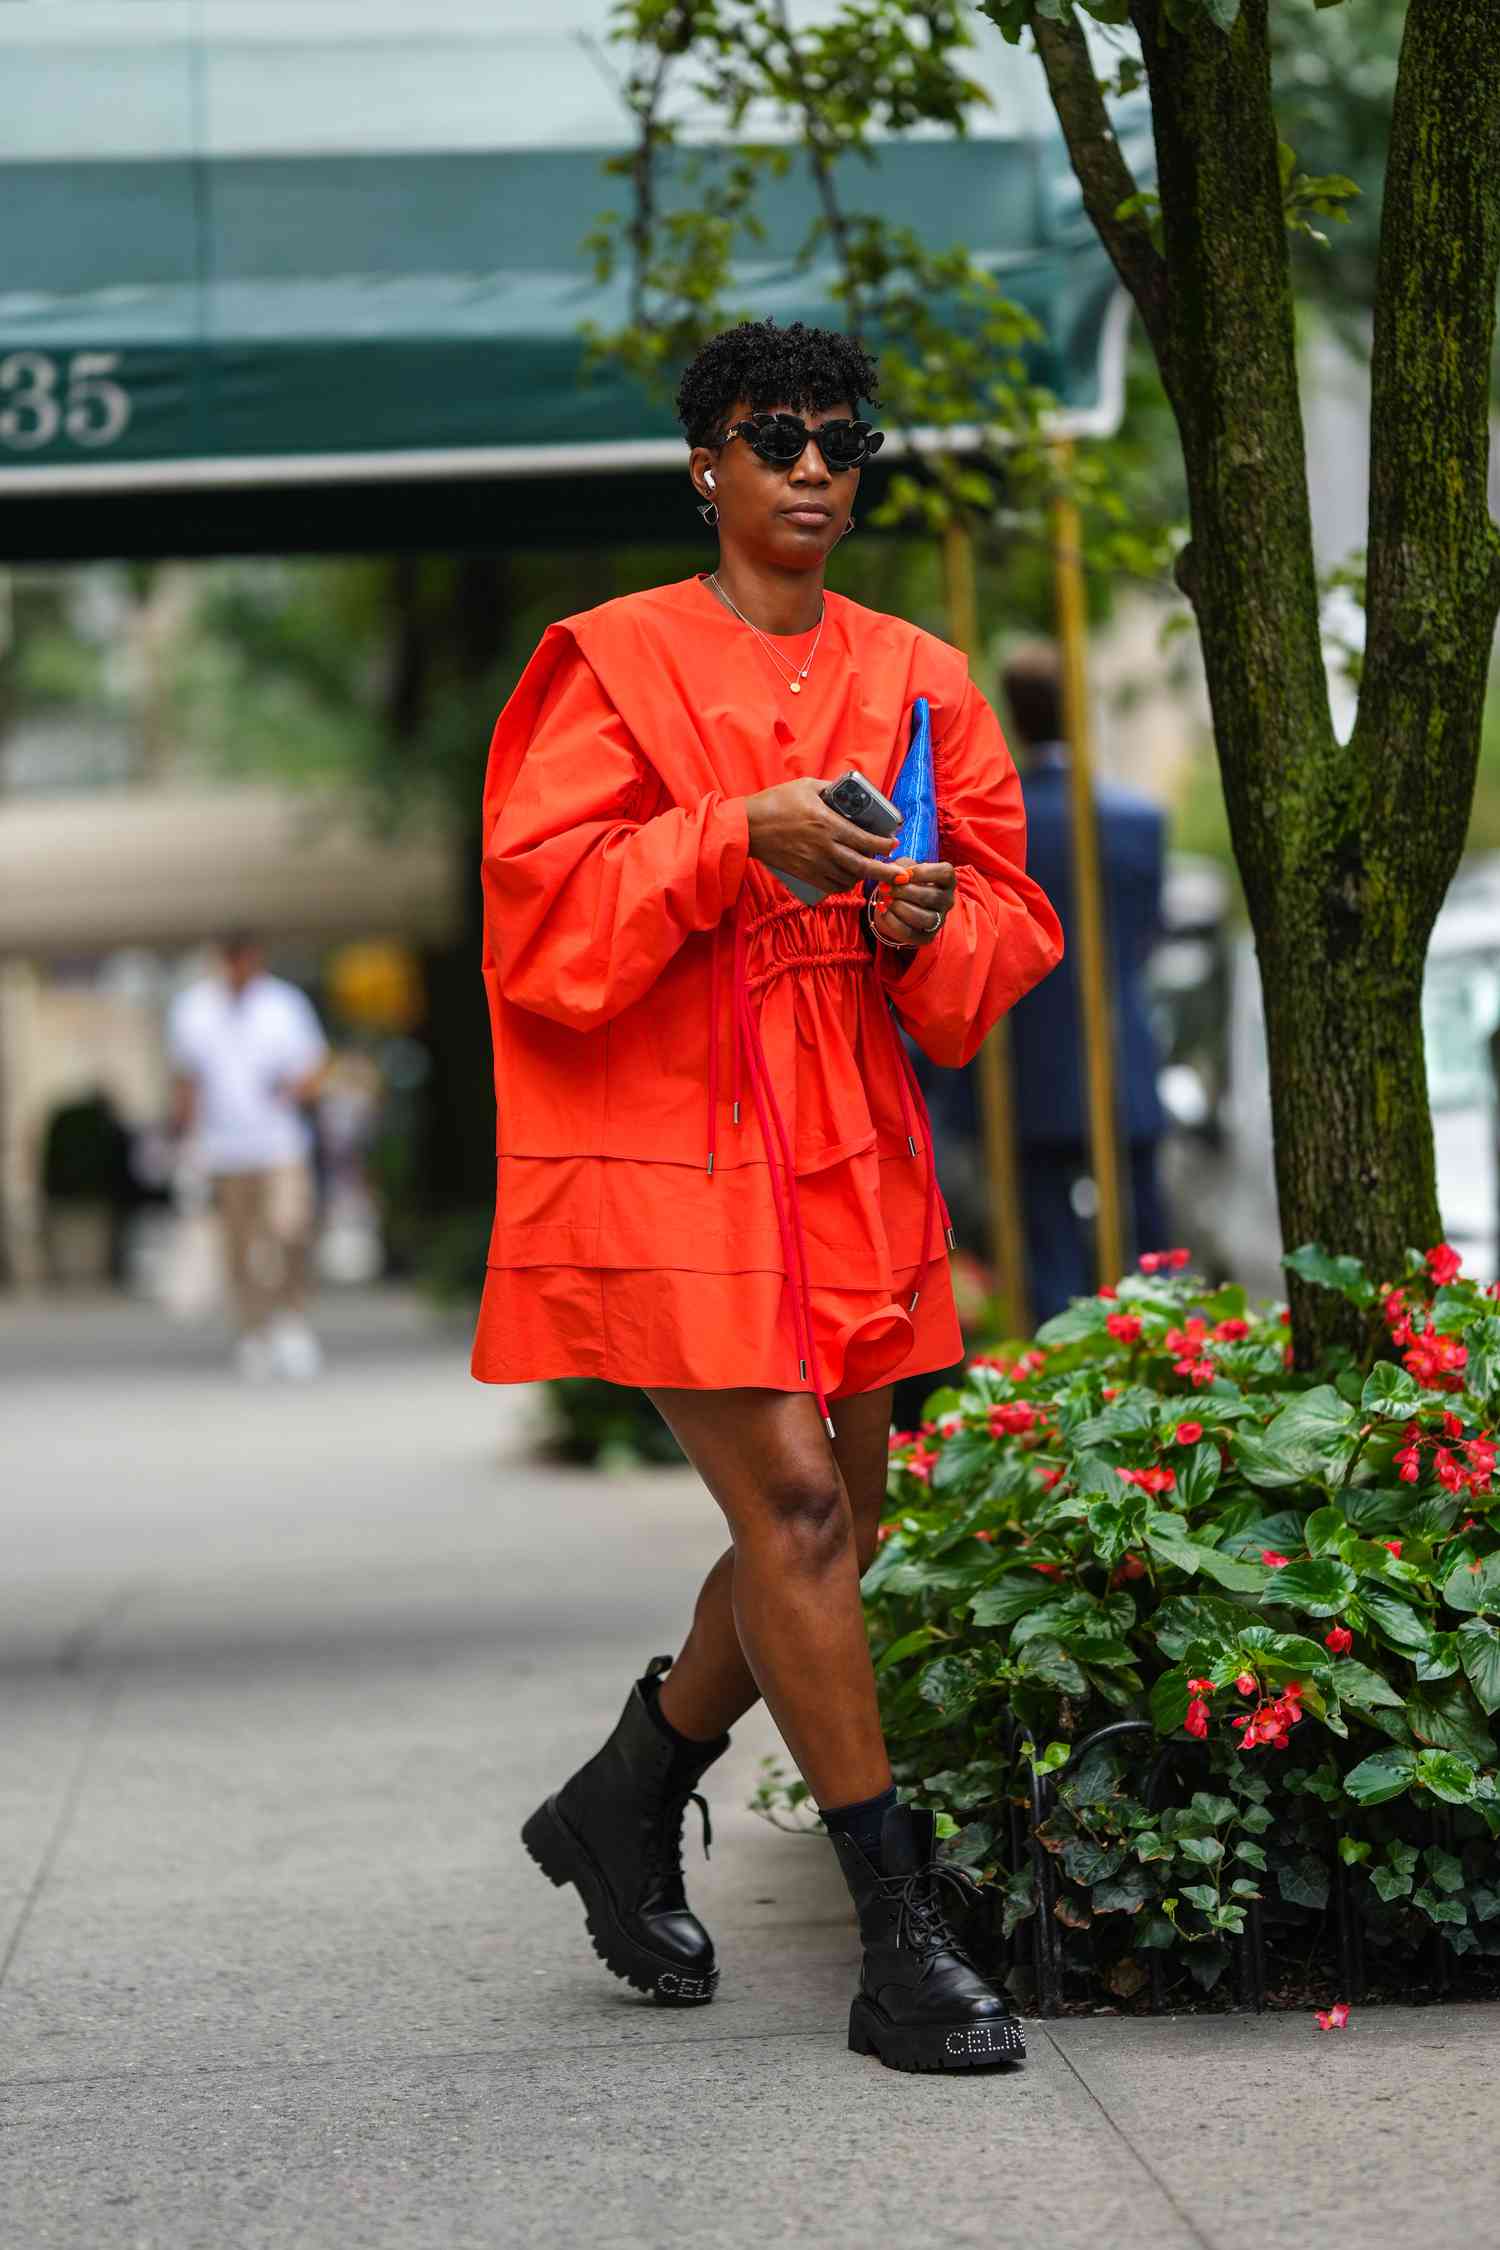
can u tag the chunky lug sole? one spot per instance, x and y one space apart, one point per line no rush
564 1858
934 2046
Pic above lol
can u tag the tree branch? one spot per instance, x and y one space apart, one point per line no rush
1103 174
1433 572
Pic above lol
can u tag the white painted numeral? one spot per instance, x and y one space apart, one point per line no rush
92 409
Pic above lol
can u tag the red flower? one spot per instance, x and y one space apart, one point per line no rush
1436 1361
1128 1567
1276 1562
1409 1461
1110 1390
1106 1291
1452 1426
1149 1480
986 1536
1247 1684
884 1533
1048 1569
922 1462
1394 1545
1125 1327
1339 1639
1334 2018
1231 1331
1186 1340
1031 1363
1201 1371
1049 1478
1449 1475
1288 1356
902 1437
1009 1420
1200 1687
1444 1264
1271 1725
1188 1433
1196 1722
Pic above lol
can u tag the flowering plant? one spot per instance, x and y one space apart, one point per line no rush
1294 1576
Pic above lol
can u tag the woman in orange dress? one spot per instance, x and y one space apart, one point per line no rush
715 1175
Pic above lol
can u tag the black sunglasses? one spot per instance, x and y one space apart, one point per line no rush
782 439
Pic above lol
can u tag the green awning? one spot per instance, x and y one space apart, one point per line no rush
313 252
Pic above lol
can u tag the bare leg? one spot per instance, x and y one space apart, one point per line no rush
779 1614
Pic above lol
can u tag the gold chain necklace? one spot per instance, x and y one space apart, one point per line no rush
794 679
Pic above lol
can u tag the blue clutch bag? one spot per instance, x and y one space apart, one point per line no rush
915 793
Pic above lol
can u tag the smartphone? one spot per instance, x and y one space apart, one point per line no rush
860 801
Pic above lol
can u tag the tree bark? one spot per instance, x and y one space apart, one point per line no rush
1345 850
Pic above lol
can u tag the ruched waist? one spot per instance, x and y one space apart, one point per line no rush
789 938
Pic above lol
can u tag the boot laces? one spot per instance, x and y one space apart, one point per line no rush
921 1922
666 1836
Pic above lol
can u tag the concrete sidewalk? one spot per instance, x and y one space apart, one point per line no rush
282 1673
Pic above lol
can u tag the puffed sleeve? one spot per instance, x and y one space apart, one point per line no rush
1001 936
587 901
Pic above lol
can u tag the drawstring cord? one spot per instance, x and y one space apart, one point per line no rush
746 1045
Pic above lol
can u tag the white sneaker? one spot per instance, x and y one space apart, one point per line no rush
252 1356
295 1350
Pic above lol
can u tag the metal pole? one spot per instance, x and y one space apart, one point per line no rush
993 1062
1089 936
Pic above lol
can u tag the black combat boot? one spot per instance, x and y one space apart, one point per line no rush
615 1832
921 2004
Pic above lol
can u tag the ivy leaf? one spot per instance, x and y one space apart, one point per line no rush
1207 1850
1303 1881
1389 1884
1125 1893
1446 1870
1378 1778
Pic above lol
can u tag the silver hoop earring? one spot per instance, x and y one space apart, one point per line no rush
709 511
849 526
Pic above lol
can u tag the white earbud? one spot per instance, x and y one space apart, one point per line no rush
708 478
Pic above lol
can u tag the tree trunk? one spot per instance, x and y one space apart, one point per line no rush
1345 850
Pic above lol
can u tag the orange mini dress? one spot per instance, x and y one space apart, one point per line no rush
713 1162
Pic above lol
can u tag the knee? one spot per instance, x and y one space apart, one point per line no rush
866 1539
807 1511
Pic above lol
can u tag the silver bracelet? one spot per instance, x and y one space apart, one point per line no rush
892 945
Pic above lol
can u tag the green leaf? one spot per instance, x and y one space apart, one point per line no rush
1389 1885
1395 1619
1322 1588
1049 1661
1391 1392
1385 1774
1202 1895
1250 1853
1324 1529
1439 1909
908 1644
1440 1659
1446 1870
1198 1475
1169 1702
1479 1653
1451 1778
1354 1850
1225 1570
1314 1434
1083 1318
949 1683
1205 1849
963 1460
1010 1598
1166 1536
1346 1276
1472 1587
1303 1881
1364 1687
1447 1718
1125 1893
1087 1861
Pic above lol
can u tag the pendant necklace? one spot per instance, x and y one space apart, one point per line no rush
793 679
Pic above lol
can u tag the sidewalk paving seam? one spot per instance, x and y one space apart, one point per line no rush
403 2056
72 1658
1123 2137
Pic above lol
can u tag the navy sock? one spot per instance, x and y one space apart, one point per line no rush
862 1822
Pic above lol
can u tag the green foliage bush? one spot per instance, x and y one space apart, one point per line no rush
1293 1576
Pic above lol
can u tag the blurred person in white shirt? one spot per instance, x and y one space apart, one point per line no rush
247 1053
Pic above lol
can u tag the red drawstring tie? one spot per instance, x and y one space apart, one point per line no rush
746 1042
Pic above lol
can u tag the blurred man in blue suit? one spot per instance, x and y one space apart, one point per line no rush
1046 1033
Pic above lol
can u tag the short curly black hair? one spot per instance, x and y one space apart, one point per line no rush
808 368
